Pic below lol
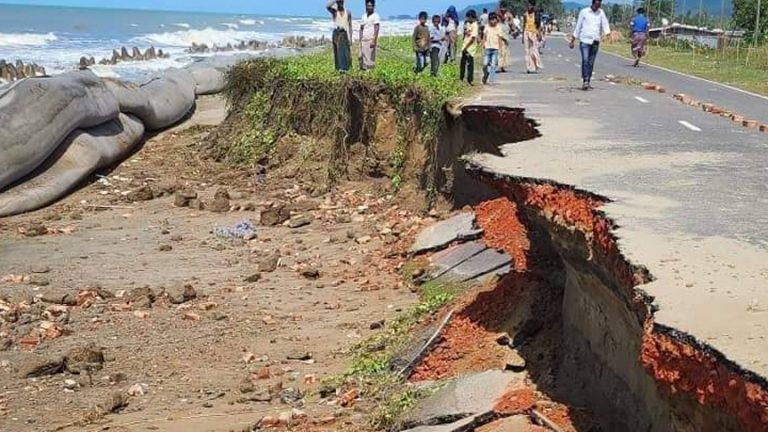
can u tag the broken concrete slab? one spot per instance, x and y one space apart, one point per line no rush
501 271
481 264
463 397
441 234
463 425
446 260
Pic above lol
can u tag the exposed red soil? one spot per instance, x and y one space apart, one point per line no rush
516 401
688 370
681 367
468 343
504 232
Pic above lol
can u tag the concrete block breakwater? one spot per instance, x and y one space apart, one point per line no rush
57 131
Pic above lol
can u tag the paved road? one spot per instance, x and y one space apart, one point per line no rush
690 189
751 105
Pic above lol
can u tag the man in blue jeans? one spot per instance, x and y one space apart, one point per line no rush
591 26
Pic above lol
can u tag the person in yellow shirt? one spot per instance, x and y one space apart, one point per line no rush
493 42
531 26
469 47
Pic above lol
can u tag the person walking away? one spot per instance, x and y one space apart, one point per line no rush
503 17
591 26
639 27
436 37
369 36
482 23
421 42
342 34
531 26
451 24
469 47
516 26
492 42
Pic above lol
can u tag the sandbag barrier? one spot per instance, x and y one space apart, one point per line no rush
55 132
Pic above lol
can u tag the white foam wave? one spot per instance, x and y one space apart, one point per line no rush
232 26
26 39
208 36
182 25
248 21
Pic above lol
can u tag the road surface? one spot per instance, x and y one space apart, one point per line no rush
689 189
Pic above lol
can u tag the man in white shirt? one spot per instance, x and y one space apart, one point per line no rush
591 26
369 36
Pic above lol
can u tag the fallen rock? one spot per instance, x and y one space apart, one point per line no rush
183 197
33 229
220 204
310 273
38 280
141 297
299 221
65 299
85 358
269 263
274 216
301 356
33 366
179 294
253 278
144 193
514 361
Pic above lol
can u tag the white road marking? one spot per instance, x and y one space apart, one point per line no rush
689 126
641 100
612 83
694 77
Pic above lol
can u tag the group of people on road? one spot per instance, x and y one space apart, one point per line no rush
488 36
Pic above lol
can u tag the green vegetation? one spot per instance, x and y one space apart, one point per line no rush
372 371
304 95
743 67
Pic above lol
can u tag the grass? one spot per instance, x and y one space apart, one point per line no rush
745 68
371 370
305 95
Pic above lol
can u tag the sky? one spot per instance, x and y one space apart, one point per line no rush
283 7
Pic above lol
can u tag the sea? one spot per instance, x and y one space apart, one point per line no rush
56 37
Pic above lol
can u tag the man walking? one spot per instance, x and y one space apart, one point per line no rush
468 50
639 27
437 37
531 26
342 34
591 26
369 36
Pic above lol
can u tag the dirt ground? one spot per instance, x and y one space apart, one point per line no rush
252 342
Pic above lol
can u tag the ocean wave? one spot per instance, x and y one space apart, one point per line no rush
248 22
26 39
208 36
232 26
182 25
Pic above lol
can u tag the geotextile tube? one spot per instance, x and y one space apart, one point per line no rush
37 114
208 79
83 152
160 102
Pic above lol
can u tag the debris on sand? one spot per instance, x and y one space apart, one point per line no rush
245 229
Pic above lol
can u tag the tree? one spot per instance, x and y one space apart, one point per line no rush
745 14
